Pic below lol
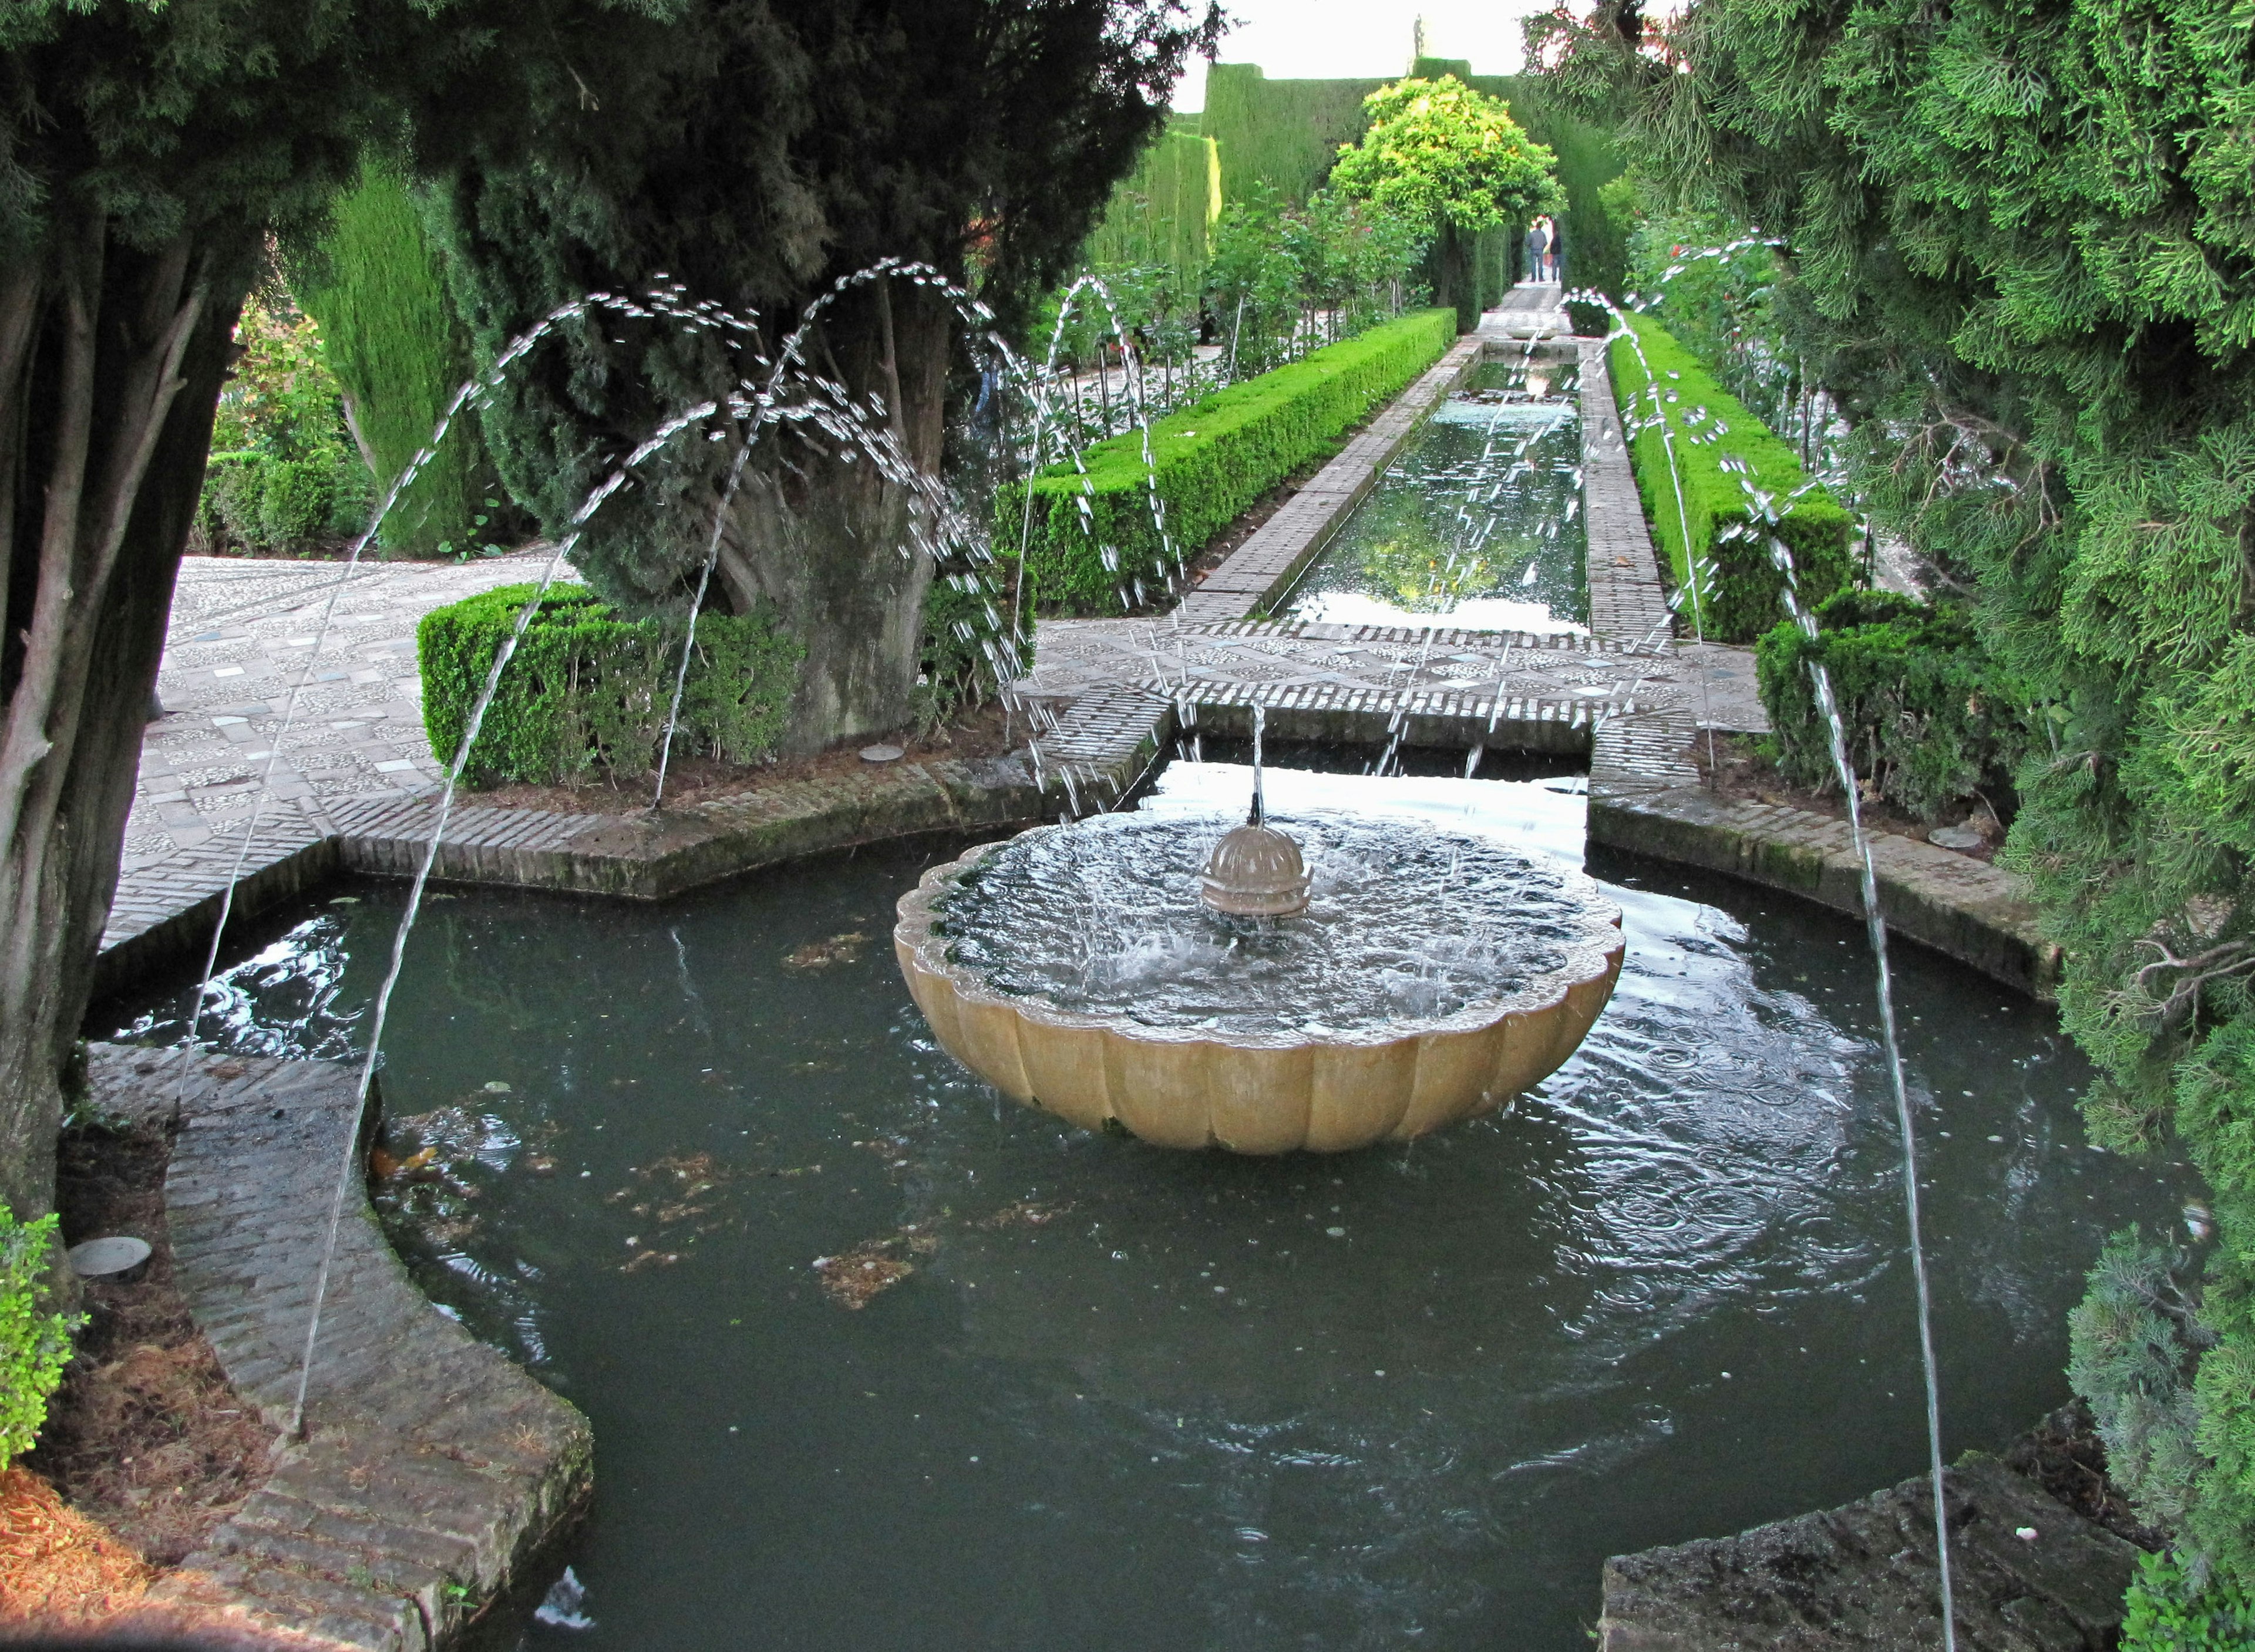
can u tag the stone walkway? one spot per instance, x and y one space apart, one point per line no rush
242 633
1531 310
434 1470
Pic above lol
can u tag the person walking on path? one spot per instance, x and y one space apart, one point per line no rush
1538 244
1554 253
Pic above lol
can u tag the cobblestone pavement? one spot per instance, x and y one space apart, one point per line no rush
1380 667
243 632
1531 310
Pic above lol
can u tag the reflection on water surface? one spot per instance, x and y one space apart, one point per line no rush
877 1359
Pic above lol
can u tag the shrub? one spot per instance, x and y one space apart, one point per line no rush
34 1347
1719 447
2167 1611
398 353
284 476
1928 716
1092 539
2133 1343
586 695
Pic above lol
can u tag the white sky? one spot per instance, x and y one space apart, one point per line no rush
1353 40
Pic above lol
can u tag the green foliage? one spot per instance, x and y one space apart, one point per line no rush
2168 1611
2132 1345
1282 276
756 154
967 645
34 1347
1732 300
2023 237
1441 151
1694 448
1161 214
373 283
284 477
587 692
1928 717
1279 135
1092 545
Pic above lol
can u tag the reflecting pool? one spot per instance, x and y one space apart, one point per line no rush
1477 524
877 1359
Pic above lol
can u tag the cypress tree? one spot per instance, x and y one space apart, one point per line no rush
148 152
373 283
756 156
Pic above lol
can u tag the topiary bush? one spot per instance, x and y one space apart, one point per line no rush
34 1347
1719 448
586 695
1929 716
1093 540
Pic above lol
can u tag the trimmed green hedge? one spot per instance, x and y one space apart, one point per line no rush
1739 589
585 694
1929 715
1092 535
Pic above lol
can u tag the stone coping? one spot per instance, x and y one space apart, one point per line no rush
645 856
1646 796
2029 1573
433 1469
1964 908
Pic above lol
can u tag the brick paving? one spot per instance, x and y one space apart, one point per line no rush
433 1468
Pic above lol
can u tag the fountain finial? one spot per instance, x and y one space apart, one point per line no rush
1255 871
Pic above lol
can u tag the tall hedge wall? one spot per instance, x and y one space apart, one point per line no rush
1160 214
1093 538
1739 588
373 286
1285 134
586 695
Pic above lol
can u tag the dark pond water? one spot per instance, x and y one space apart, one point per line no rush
1477 524
1116 1397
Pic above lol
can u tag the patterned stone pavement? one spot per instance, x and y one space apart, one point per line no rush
1531 310
242 633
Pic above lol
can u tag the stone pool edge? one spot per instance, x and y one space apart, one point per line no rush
1647 796
434 1469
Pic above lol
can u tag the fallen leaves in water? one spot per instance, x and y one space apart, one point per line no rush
894 1150
673 1192
1026 1213
853 1278
821 955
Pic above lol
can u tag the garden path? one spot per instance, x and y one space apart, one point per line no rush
242 634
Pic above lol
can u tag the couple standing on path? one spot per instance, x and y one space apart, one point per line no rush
1543 248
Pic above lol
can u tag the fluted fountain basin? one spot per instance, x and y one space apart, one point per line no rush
1433 977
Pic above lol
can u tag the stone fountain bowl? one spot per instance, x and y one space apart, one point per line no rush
1187 1088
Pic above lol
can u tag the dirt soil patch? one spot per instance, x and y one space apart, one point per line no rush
65 1579
144 1435
2065 1456
990 732
1738 770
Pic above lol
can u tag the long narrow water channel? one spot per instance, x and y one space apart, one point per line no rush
1477 524
1102 1396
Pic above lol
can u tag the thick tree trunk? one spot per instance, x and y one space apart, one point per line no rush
1454 286
111 360
822 533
